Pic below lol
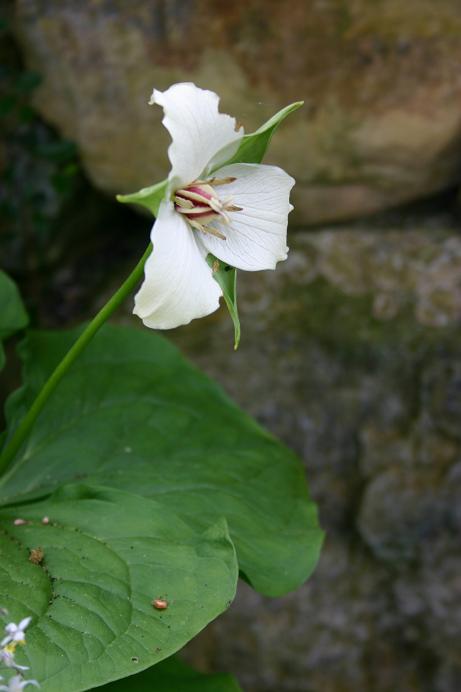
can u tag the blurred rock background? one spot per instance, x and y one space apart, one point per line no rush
351 350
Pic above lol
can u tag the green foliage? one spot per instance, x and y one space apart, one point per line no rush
12 312
89 577
133 414
173 675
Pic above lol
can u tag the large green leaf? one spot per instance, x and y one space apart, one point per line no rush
173 675
105 555
133 414
12 313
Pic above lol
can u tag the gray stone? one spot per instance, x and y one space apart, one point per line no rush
382 116
369 400
340 632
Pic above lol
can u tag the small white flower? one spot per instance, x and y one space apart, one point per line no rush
17 684
15 633
7 658
238 212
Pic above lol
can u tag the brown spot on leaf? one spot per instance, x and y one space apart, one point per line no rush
36 556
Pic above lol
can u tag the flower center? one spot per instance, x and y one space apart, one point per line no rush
201 205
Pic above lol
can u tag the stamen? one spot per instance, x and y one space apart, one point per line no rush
214 231
205 193
200 204
195 210
207 229
216 205
221 181
184 203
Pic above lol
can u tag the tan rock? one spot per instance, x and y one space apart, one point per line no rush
381 82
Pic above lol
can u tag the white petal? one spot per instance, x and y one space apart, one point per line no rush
178 285
24 623
198 130
256 236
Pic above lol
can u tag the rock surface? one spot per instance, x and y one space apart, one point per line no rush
351 354
381 82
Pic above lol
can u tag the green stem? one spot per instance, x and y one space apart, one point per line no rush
85 337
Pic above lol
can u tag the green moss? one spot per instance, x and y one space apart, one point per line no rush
346 324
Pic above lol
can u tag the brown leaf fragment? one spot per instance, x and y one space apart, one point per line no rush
36 556
160 603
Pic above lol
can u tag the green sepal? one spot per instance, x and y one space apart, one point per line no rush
149 197
226 276
254 145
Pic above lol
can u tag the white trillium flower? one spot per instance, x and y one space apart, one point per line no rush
237 212
16 633
17 684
